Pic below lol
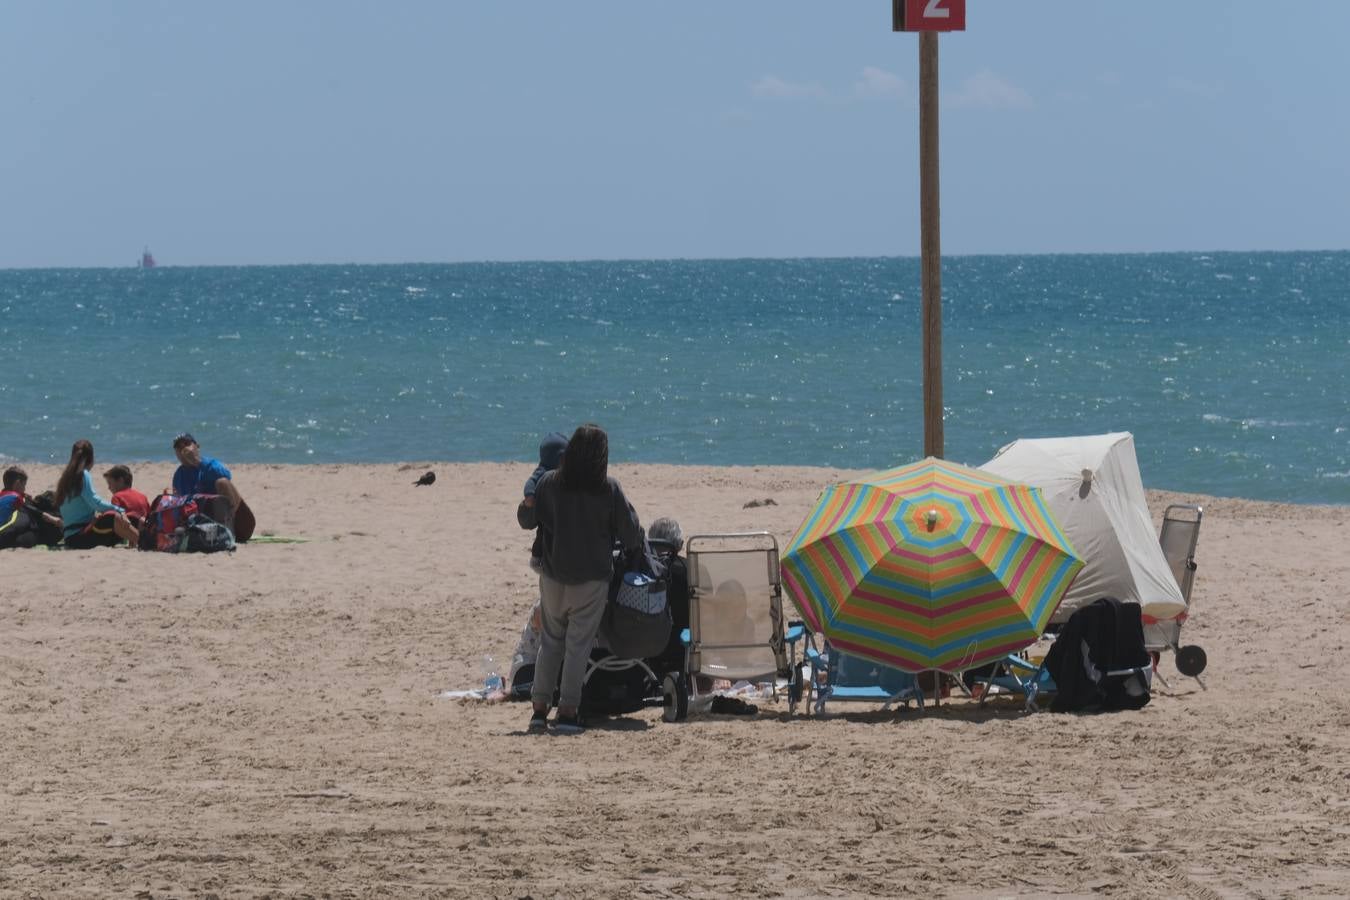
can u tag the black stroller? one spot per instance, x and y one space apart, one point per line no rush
648 605
641 640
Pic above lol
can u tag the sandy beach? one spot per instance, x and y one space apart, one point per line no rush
268 723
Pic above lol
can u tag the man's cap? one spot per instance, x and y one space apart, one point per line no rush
183 438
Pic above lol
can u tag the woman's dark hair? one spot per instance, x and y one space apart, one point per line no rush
585 464
71 482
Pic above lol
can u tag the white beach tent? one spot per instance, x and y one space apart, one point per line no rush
1091 483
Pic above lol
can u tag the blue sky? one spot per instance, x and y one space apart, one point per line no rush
334 131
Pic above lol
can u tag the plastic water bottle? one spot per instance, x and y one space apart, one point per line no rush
492 679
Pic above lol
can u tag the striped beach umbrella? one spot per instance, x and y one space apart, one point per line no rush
932 565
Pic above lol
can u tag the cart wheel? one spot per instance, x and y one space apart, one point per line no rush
675 695
1191 660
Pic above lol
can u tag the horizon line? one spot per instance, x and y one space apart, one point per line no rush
641 259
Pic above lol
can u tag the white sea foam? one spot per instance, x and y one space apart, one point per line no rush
1255 422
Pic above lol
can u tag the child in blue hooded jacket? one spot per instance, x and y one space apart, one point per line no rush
550 457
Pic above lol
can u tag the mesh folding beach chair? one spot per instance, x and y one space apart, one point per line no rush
1179 536
736 626
845 678
1017 675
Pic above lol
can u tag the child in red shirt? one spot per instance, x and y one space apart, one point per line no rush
124 495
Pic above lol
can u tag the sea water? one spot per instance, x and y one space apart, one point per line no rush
1229 368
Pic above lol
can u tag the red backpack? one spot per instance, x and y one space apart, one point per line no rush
168 513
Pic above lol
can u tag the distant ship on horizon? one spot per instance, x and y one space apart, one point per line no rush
147 259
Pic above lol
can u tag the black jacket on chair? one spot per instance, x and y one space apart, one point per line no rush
1106 635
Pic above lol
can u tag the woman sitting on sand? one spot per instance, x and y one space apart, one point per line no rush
89 520
582 512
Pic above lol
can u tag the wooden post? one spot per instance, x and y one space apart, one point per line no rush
931 244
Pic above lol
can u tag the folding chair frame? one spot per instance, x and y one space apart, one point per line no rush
827 660
680 689
1184 568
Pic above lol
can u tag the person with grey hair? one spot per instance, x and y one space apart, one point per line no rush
667 531
667 539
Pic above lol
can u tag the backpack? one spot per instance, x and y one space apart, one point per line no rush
204 535
637 623
188 524
168 513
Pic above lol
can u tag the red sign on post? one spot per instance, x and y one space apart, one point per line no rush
928 15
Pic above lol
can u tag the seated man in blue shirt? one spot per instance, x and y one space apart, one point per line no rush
197 474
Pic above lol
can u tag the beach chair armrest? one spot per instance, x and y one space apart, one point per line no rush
796 631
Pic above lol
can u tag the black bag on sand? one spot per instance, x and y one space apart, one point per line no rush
203 534
1103 636
48 535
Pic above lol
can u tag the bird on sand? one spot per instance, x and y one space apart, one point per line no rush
429 478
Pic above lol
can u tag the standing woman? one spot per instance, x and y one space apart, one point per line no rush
90 521
580 512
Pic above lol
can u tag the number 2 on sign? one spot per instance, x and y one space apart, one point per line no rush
934 15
